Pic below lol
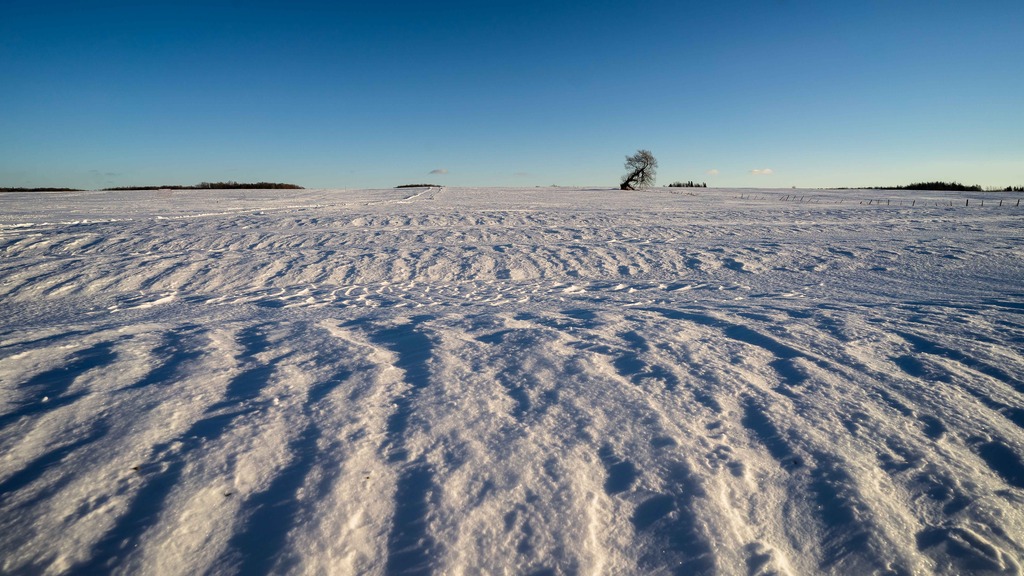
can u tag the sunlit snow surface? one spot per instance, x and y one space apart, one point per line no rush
502 381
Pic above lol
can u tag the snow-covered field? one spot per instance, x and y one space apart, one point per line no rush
511 381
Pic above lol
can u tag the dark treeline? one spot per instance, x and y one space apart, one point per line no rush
230 185
943 186
939 186
947 187
688 184
418 186
40 190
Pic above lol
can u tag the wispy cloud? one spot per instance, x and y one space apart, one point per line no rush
98 173
522 174
762 171
439 171
99 177
712 172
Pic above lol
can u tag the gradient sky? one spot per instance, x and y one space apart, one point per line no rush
766 93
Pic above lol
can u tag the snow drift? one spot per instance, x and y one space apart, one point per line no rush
537 381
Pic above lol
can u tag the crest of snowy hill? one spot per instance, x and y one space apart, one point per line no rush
511 381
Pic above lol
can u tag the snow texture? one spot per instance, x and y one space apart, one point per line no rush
511 381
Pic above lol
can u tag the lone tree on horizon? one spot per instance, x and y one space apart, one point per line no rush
641 169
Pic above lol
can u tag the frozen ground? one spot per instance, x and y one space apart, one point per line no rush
537 381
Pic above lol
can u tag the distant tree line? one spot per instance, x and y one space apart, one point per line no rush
688 184
942 186
418 186
230 185
40 190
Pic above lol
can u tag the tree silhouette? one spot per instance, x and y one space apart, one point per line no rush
641 169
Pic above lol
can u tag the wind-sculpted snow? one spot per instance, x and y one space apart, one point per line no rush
536 381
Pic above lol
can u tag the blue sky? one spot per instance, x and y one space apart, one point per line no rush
767 93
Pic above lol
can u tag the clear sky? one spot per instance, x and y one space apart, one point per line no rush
766 93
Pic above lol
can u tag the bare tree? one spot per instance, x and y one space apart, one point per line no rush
641 169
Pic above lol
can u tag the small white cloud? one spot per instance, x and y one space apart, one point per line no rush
762 171
439 171
712 172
